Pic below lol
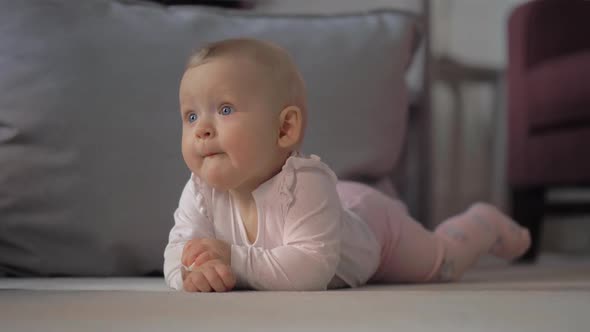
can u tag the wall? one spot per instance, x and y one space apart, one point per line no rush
333 6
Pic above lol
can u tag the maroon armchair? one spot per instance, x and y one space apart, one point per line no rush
548 105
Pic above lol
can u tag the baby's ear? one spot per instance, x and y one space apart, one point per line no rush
290 127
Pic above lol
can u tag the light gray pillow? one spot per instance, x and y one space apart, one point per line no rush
90 163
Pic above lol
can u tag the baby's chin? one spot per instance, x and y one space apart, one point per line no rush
218 174
219 186
216 181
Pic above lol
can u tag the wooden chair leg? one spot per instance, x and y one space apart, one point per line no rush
528 210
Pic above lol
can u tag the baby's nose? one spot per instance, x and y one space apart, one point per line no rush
205 132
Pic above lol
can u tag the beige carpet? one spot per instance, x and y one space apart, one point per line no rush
553 295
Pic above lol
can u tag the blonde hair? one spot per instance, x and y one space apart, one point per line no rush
274 59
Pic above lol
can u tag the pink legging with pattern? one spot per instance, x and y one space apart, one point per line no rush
411 253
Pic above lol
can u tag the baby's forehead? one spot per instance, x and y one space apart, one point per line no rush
265 66
228 70
228 77
246 69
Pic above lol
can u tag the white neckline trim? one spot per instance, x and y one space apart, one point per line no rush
242 228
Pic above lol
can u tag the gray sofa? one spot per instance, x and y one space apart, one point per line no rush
91 169
90 163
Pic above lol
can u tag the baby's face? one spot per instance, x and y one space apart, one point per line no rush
230 124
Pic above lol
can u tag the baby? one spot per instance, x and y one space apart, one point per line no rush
256 213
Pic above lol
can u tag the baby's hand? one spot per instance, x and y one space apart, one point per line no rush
213 275
198 251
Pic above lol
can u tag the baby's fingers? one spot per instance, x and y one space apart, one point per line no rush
214 280
190 252
196 282
202 258
226 275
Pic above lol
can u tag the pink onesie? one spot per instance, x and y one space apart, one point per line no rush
315 232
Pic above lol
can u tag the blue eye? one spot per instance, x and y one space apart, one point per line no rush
192 117
226 110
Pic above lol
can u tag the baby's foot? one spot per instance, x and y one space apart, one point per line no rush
512 241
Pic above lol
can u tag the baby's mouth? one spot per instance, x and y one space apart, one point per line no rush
211 154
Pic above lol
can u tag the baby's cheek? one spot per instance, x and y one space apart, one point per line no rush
241 159
240 148
247 146
192 161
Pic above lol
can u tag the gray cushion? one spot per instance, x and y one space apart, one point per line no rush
90 163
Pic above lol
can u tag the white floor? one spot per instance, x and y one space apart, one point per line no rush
553 295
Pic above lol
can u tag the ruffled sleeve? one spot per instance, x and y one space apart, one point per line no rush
294 163
191 220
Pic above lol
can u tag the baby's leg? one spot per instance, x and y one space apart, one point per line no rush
411 253
458 242
479 230
416 256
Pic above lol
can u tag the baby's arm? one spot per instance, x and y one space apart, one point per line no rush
310 253
189 223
